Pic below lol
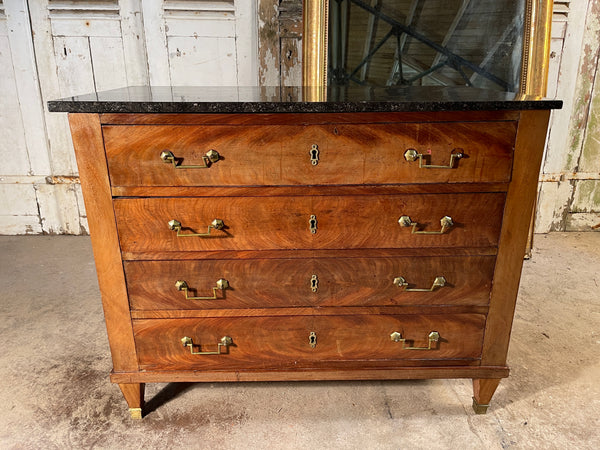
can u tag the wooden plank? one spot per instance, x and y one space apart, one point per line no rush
74 65
268 43
13 147
529 147
156 43
85 26
58 136
564 139
382 373
18 209
246 44
583 221
134 44
199 27
26 78
108 62
58 209
291 62
202 61
87 138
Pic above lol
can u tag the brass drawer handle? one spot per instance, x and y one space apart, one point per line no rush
437 283
434 337
182 285
212 156
225 342
446 222
412 155
175 225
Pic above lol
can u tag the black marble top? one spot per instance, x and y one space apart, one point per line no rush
271 99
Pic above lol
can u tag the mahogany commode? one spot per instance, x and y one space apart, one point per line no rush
245 234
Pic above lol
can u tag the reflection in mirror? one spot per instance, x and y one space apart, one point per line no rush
426 42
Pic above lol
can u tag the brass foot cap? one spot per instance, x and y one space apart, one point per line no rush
136 413
479 409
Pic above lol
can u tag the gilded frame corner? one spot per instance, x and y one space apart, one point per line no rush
535 58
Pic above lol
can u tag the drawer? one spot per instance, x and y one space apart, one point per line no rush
285 222
282 155
285 343
265 283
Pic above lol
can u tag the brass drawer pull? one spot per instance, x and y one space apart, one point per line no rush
437 283
182 285
225 342
412 155
175 225
434 337
211 156
445 221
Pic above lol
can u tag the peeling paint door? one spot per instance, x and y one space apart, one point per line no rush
58 48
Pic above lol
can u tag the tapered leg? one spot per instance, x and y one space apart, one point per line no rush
483 389
134 395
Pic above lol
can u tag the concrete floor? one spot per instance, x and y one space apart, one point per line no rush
55 391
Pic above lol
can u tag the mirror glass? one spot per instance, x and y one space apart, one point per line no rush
475 43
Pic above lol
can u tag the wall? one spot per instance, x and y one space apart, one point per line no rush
57 48
569 196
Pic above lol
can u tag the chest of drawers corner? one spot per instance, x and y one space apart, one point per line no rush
290 246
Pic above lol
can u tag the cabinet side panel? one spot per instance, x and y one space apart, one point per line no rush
91 160
529 148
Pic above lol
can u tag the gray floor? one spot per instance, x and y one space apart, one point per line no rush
55 391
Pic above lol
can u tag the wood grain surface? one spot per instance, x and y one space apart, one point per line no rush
317 191
283 222
280 154
337 371
307 119
270 283
91 161
283 342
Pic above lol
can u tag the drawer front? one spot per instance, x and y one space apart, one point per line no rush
285 222
265 283
284 342
282 155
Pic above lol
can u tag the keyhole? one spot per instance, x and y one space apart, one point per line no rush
312 339
314 283
312 223
314 155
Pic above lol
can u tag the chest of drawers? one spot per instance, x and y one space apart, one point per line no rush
270 244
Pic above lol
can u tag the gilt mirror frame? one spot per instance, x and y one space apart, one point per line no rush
534 60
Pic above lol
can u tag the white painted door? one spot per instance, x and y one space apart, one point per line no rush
58 48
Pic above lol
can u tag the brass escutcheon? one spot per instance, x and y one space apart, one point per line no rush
314 283
314 154
312 339
312 223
